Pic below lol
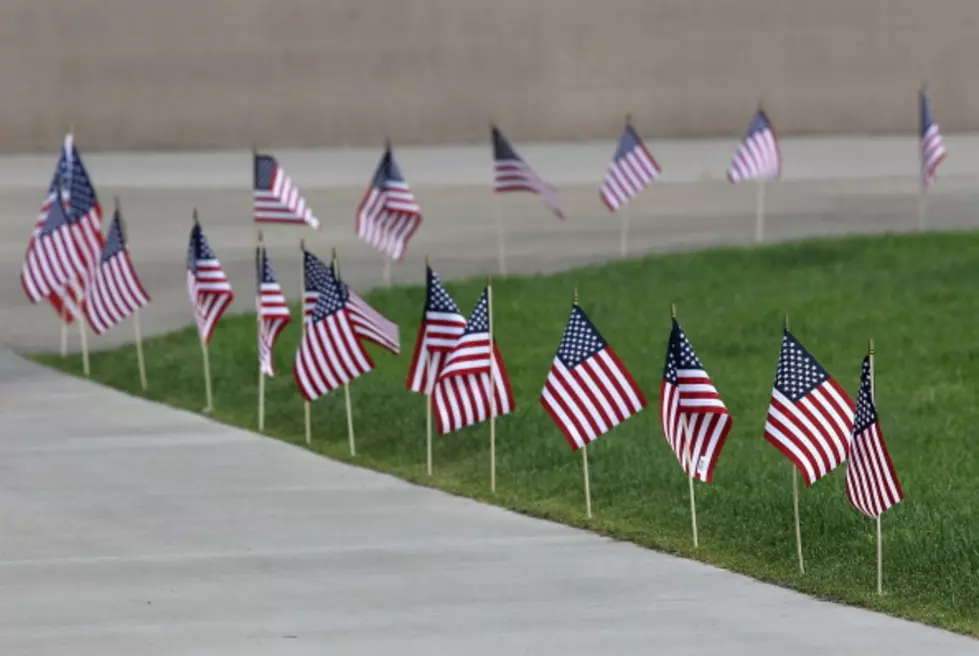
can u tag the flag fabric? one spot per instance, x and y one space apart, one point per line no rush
388 215
933 150
115 291
442 325
276 198
588 390
329 354
511 173
695 420
810 416
367 322
84 215
633 168
272 309
758 156
462 394
871 482
209 289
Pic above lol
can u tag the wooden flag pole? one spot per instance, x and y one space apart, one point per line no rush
873 399
307 410
492 384
64 322
685 432
137 333
922 208
584 448
626 216
430 374
82 325
258 339
346 386
760 212
795 502
500 236
207 361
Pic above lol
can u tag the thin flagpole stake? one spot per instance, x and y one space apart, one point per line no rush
492 385
258 340
261 399
207 378
346 386
584 468
760 212
500 237
82 325
795 502
922 208
873 399
685 428
624 234
64 323
428 421
307 411
139 350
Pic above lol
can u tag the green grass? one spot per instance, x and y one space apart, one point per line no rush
915 295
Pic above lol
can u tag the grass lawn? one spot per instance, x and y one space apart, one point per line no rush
915 295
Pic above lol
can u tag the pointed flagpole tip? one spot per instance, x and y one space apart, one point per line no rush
115 200
673 311
628 118
489 281
196 221
785 321
259 235
574 299
333 254
870 346
387 143
427 264
302 245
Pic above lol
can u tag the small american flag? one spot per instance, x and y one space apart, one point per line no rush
330 354
115 291
871 482
758 156
273 311
511 173
209 289
933 150
588 390
442 325
462 392
695 420
367 322
632 169
276 198
72 183
810 417
388 215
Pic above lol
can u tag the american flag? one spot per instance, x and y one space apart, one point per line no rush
871 482
388 215
273 311
330 354
276 198
367 322
209 289
84 214
695 420
588 390
933 150
511 173
442 325
810 417
462 392
632 169
115 291
758 156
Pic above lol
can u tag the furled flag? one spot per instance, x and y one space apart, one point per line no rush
84 215
115 291
273 311
388 215
367 322
758 156
588 391
871 482
276 198
694 418
511 173
632 169
462 392
209 289
933 150
442 324
810 417
330 354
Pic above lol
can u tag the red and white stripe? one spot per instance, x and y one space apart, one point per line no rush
387 218
516 175
437 335
871 481
695 422
367 322
114 294
273 317
329 355
282 203
933 153
463 397
628 175
210 295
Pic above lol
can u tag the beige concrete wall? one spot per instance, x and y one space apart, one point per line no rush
231 73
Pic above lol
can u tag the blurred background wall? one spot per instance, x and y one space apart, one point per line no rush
135 74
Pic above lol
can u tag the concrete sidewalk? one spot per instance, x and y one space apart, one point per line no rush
144 530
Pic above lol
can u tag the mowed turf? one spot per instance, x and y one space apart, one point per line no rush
914 295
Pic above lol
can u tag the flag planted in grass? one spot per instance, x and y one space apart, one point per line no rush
933 149
442 325
388 215
695 420
512 173
276 199
810 416
273 311
588 391
330 353
633 168
871 481
473 381
208 286
115 291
